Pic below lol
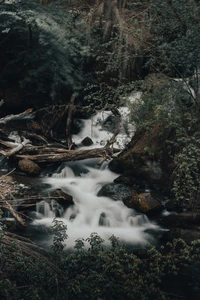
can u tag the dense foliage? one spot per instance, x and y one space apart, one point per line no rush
93 271
43 50
48 52
171 98
176 37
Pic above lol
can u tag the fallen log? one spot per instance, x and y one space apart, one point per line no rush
24 202
69 155
13 212
27 114
6 144
42 150
16 149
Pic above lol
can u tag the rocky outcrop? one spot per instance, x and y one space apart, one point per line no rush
29 167
87 141
142 202
115 191
146 159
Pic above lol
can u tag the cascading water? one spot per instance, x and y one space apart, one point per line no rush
91 213
82 180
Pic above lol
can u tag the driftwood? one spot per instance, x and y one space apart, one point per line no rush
7 144
36 137
30 201
27 114
14 149
107 148
13 212
42 150
68 155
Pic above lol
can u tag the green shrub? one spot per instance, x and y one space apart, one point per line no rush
94 271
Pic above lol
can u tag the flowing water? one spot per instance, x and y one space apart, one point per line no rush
91 213
82 180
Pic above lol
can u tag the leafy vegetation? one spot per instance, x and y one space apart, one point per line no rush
49 51
173 103
175 47
43 49
94 271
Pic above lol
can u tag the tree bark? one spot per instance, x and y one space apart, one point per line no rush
26 114
69 155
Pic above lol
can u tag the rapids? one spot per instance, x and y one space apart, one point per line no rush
83 179
91 213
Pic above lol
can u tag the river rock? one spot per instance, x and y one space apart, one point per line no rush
111 123
146 158
87 141
133 182
29 167
116 192
144 203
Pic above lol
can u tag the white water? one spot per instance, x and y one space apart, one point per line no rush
92 127
91 213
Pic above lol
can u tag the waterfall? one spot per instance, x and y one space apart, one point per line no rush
82 180
91 213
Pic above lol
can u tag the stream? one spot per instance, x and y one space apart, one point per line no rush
83 180
91 213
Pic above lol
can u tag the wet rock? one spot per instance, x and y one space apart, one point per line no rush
173 206
133 182
111 123
77 125
29 167
116 192
181 220
144 203
65 200
146 158
87 141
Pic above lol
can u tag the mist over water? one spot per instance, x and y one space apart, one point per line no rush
91 213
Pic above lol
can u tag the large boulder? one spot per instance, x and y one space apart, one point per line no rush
146 159
115 191
142 202
29 167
